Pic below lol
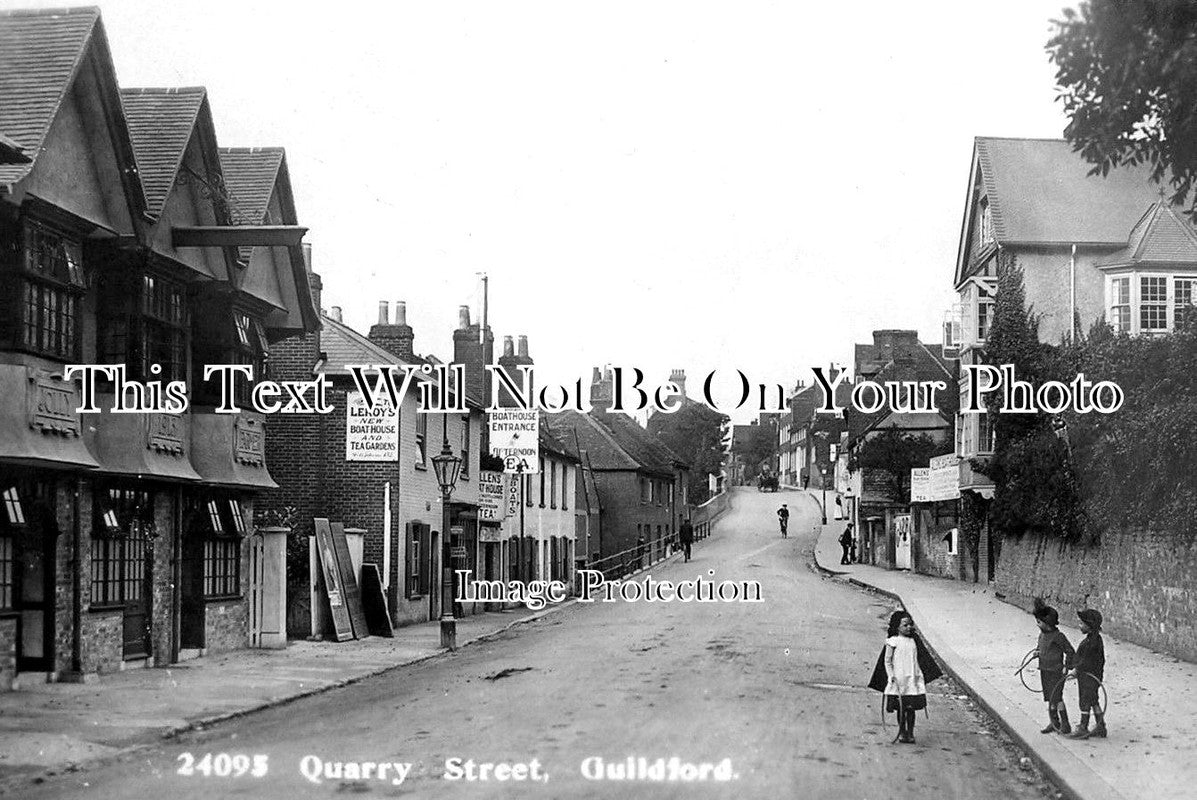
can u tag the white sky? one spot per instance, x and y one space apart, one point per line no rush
752 185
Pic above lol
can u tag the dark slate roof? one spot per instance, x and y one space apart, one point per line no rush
160 124
1040 192
343 345
40 52
604 453
1161 237
645 447
561 447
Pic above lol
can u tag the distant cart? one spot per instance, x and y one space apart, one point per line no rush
767 483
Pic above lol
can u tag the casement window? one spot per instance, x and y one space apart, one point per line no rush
513 558
465 447
121 529
1148 303
1153 303
566 482
542 481
417 560
528 491
986 226
644 490
224 334
1120 304
144 321
214 538
553 484
12 522
985 434
41 286
554 564
421 438
1184 298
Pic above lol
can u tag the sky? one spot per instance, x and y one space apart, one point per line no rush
705 186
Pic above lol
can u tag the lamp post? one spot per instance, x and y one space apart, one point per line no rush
823 472
448 467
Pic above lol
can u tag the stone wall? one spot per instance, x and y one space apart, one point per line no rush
8 652
1143 582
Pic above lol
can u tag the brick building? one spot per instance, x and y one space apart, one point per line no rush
125 539
396 502
641 484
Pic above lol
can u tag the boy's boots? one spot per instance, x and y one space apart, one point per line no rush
1054 721
1065 728
1082 730
1099 730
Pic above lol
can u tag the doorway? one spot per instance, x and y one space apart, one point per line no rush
28 546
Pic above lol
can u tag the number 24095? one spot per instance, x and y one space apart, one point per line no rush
222 765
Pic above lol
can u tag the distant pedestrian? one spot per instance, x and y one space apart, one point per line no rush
852 549
805 482
1090 670
846 542
686 537
904 668
1054 651
783 519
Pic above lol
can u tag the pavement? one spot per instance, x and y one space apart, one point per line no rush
981 640
61 726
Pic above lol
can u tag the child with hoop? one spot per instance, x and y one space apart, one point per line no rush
1055 654
1089 668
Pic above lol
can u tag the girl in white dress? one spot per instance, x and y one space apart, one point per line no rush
903 671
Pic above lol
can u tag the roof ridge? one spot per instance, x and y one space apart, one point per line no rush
135 90
1019 139
253 149
49 12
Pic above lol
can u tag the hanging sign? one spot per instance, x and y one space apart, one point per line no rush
371 434
920 485
515 438
491 491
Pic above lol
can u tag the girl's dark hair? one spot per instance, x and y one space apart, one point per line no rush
895 619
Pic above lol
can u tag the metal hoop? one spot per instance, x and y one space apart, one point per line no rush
1032 655
1102 694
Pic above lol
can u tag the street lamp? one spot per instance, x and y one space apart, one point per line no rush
823 472
447 467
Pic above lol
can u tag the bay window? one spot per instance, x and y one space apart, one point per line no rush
1148 303
41 283
143 321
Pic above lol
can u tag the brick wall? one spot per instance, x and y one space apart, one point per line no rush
931 556
8 652
102 638
226 625
1143 582
619 494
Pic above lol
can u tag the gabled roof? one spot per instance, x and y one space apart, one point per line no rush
161 122
250 174
561 447
609 444
1040 192
645 447
1160 237
41 53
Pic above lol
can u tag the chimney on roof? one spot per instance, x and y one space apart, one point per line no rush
475 350
514 356
601 390
336 314
396 338
678 377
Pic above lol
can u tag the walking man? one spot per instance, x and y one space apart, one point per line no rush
846 542
686 536
783 519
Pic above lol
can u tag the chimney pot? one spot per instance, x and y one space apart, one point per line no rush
463 318
383 309
307 256
523 347
336 313
400 312
508 346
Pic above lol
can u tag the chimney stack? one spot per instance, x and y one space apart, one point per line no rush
678 377
509 362
475 349
396 338
601 390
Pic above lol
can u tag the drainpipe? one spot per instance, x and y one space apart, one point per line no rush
1072 295
76 583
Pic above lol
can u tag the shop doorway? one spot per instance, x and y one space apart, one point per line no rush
28 546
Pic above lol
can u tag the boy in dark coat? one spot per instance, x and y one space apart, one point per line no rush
1090 668
685 535
1055 653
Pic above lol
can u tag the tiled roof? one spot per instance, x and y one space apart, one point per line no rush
40 52
602 450
562 446
343 345
249 175
12 151
1161 237
1040 192
160 124
638 442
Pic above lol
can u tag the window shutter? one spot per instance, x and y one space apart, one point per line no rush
425 557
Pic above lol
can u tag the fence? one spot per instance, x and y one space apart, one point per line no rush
646 553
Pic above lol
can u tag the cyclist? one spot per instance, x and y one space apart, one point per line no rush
783 518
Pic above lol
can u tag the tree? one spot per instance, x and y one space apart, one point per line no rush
893 454
1127 74
695 432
